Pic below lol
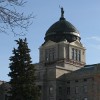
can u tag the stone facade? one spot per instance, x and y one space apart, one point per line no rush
62 78
84 83
51 70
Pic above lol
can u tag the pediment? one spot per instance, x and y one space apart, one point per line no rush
77 43
49 43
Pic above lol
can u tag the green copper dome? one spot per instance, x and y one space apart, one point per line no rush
62 30
61 26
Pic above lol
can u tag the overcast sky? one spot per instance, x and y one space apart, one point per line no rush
83 14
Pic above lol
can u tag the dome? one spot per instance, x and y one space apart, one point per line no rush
62 30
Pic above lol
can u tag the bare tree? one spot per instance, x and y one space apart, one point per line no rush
11 20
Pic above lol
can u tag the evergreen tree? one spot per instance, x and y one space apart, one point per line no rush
22 74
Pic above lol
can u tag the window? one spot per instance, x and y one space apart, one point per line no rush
53 53
40 90
49 54
76 89
76 81
79 58
85 80
60 90
68 90
68 82
40 87
72 53
51 90
85 89
75 57
85 98
76 54
51 99
6 97
79 55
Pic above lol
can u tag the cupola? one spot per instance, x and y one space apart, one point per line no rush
62 30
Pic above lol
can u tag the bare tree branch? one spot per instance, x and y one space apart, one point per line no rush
11 19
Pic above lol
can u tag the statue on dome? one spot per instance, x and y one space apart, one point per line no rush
62 12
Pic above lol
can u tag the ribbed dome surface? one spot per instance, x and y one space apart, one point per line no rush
61 26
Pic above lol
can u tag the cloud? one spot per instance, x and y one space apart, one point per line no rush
96 38
93 42
97 47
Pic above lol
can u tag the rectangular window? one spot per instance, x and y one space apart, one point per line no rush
75 55
85 98
68 82
40 89
85 80
68 90
79 55
50 54
7 96
51 99
51 90
76 89
47 55
72 53
76 81
60 90
85 89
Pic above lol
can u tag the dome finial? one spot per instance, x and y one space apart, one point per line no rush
62 12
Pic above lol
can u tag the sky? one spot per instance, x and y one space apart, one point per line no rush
83 14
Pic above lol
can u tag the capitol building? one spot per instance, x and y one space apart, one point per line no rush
62 73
